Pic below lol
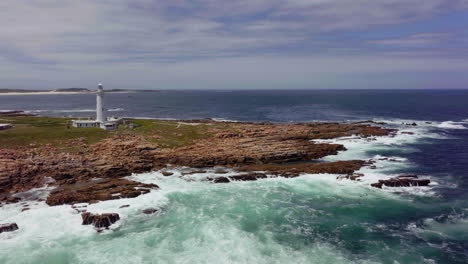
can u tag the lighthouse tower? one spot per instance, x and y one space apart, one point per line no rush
100 111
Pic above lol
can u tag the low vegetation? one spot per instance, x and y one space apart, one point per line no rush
58 132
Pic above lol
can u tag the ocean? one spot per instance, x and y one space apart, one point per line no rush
309 219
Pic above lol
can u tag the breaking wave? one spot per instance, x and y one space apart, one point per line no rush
315 218
452 125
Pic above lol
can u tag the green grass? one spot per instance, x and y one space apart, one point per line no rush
57 132
170 134
46 130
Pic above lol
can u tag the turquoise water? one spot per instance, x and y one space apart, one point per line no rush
311 219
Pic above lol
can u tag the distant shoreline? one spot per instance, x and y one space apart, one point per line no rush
57 92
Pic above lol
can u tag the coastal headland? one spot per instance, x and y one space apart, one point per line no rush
65 91
90 165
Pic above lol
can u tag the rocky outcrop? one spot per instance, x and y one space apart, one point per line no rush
98 190
9 199
243 177
8 227
351 176
100 220
291 171
402 181
234 145
256 144
25 168
150 210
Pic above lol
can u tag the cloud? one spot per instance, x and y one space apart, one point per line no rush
88 36
416 40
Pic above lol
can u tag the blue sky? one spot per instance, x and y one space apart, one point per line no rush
244 44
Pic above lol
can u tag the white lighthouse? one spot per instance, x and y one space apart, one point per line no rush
101 118
100 111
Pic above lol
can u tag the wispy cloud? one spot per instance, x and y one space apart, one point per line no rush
416 40
62 35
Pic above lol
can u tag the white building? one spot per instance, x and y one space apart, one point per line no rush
101 118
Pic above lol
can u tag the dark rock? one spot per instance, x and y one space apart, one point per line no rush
249 177
244 177
124 206
12 199
402 181
167 173
99 220
408 176
8 227
150 210
353 177
219 180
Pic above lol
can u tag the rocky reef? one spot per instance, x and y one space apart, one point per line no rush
402 181
97 190
8 227
100 221
93 172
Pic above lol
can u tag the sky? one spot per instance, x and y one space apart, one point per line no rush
234 44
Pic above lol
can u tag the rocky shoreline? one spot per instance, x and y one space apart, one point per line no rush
96 172
244 146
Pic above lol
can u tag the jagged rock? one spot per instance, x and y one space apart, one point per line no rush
124 206
98 190
219 180
8 227
100 220
243 177
293 170
411 124
167 173
402 181
150 210
9 199
353 176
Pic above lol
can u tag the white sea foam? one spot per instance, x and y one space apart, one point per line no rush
452 227
197 233
452 125
386 167
223 120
